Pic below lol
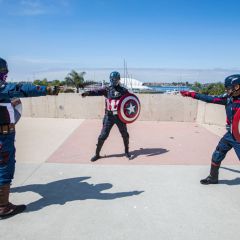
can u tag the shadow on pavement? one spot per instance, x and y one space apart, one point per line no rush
230 169
148 152
68 190
235 181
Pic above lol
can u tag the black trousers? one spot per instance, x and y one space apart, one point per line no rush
108 122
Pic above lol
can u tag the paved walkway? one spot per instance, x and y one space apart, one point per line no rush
74 141
156 195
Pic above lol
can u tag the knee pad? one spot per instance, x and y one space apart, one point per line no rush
218 156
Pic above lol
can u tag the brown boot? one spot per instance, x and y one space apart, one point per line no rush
7 209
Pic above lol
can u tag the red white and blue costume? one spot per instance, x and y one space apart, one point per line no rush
112 93
8 91
228 141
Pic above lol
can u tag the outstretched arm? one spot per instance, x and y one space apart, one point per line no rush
95 92
22 90
222 100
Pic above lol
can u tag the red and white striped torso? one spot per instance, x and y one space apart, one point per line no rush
112 104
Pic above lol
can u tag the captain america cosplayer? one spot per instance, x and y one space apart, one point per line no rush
112 93
7 134
231 100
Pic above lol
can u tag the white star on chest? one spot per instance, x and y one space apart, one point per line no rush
116 94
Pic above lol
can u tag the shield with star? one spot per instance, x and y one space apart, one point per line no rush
236 126
129 108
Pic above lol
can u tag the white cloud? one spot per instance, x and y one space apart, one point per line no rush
29 68
142 74
37 7
30 3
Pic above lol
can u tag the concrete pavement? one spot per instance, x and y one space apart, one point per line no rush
69 197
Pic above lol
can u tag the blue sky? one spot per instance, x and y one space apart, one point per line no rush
50 37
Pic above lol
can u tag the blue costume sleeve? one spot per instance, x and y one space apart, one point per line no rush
124 90
98 92
21 90
222 99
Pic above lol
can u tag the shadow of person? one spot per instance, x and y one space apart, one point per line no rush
148 152
231 182
68 190
230 169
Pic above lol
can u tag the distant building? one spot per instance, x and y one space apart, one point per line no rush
134 84
138 86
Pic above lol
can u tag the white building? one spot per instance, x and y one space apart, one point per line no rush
133 84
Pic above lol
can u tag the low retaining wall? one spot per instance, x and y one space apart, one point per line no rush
154 107
211 114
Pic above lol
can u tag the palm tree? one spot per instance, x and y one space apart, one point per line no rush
77 80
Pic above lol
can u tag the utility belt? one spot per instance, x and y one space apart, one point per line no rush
8 128
111 112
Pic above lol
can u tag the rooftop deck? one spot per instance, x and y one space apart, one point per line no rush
156 195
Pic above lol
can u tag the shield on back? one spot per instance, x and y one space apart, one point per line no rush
235 126
17 106
129 108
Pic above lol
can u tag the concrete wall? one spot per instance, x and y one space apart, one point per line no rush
159 107
211 114
68 105
154 107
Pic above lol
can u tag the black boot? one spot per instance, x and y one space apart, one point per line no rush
126 146
213 177
128 155
98 149
7 209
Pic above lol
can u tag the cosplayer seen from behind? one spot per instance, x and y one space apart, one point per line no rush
231 100
8 91
112 93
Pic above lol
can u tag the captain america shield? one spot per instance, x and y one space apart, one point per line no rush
236 126
129 108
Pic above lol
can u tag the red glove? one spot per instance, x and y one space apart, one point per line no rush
188 94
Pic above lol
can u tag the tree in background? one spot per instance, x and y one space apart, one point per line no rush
77 80
208 88
57 83
197 87
73 79
43 82
214 89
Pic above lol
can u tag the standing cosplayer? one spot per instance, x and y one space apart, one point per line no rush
7 134
231 100
112 93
